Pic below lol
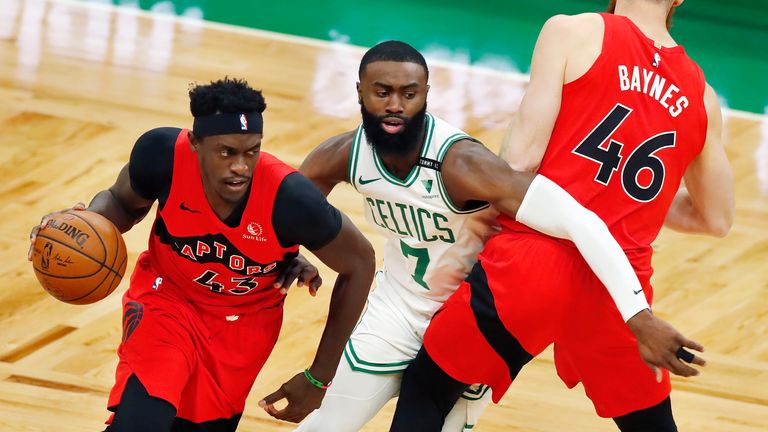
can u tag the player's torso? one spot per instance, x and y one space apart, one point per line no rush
430 243
215 264
626 132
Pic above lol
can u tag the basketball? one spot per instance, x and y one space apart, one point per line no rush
79 257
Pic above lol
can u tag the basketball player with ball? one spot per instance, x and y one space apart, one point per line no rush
205 303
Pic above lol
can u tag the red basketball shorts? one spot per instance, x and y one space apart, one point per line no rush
533 290
201 362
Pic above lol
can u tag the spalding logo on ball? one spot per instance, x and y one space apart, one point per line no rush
79 257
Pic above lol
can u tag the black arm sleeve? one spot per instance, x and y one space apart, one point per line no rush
302 215
151 163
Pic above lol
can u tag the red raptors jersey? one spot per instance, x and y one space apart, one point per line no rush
210 263
625 135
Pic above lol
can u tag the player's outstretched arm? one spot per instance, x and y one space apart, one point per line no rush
327 164
472 172
706 204
352 257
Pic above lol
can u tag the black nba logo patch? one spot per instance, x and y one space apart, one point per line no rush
656 60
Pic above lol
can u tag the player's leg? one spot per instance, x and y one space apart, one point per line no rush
657 418
468 409
598 349
353 400
155 355
427 395
383 343
138 411
469 340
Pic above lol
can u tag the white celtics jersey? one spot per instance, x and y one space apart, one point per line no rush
431 243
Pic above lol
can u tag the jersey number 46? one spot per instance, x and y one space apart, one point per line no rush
642 158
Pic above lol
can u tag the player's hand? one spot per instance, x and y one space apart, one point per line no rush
302 397
44 223
302 269
659 343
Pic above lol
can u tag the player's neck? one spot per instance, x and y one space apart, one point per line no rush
221 207
650 17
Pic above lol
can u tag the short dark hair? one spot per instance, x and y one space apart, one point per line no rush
392 51
225 96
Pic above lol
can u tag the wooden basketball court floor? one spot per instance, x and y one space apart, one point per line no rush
79 84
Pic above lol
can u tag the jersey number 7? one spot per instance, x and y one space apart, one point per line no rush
642 158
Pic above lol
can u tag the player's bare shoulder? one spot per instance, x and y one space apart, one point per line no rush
469 161
711 101
714 114
336 146
327 164
574 26
577 38
465 155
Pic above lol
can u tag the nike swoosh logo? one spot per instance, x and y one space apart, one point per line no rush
638 291
365 182
187 209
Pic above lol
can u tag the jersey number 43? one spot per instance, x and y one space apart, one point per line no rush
642 158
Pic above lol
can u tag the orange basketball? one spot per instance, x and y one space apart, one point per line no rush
80 257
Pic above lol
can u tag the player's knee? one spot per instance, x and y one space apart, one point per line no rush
657 418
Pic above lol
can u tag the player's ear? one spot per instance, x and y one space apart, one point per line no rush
359 93
427 91
193 142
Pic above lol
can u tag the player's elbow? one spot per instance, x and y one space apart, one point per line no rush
717 221
721 225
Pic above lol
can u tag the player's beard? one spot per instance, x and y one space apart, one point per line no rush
612 9
399 144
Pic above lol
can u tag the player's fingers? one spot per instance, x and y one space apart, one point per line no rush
268 404
689 357
656 371
298 413
699 361
307 275
33 233
281 282
289 275
32 237
289 414
273 397
79 206
688 343
278 282
679 368
274 412
315 285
